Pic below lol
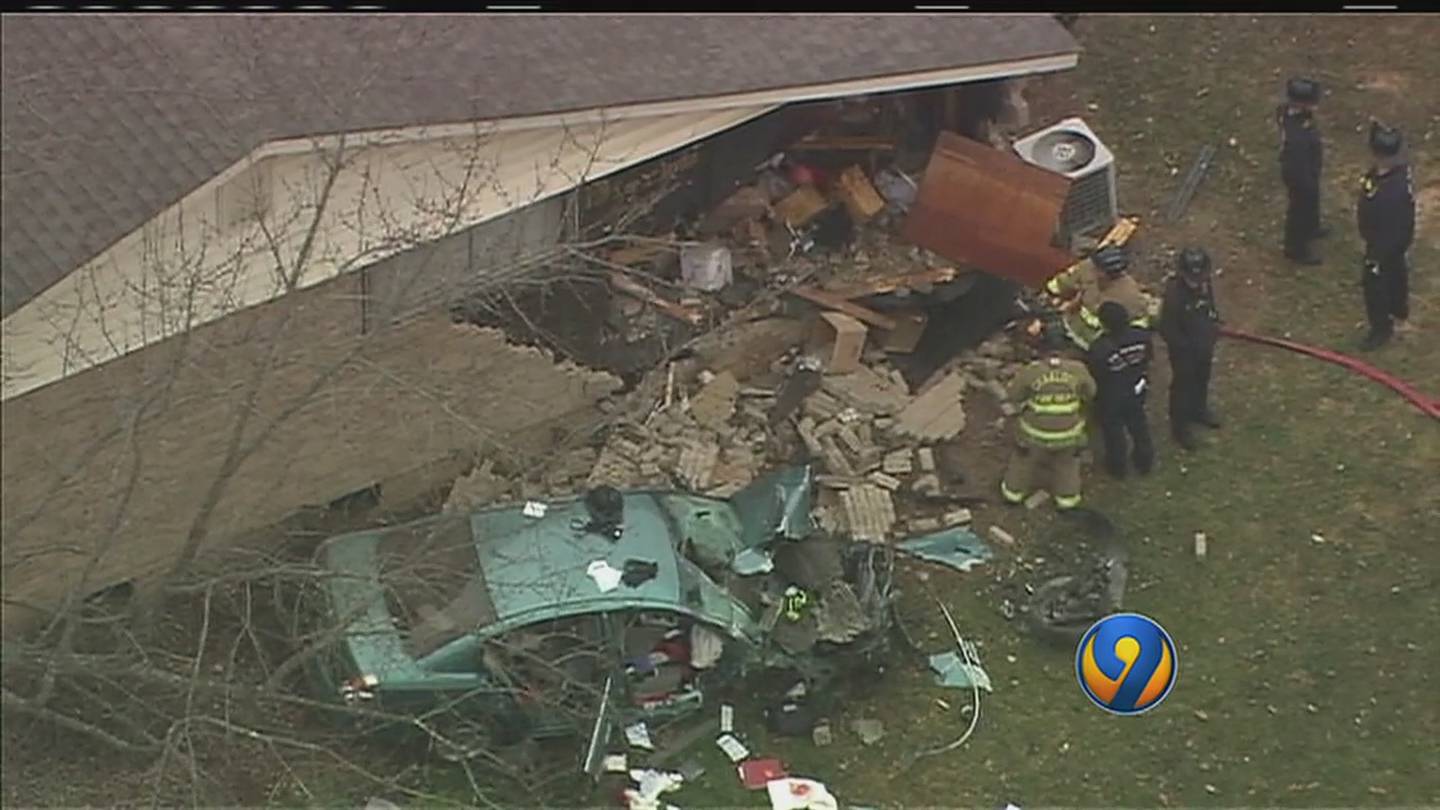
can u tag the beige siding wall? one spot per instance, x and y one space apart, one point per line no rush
387 198
87 501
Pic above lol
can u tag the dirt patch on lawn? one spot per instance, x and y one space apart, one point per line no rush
1383 81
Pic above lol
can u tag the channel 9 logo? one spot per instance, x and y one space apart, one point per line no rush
1126 663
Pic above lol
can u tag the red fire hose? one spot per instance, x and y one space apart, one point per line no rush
1431 407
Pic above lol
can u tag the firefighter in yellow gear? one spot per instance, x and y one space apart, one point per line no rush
1095 281
1054 395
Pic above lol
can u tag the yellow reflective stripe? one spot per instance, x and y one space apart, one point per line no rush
1142 322
1053 436
1067 408
1090 318
1009 494
1067 501
1075 337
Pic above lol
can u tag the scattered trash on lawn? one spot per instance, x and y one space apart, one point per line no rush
870 731
534 509
651 784
1001 536
953 672
822 735
757 773
970 657
638 735
800 794
958 548
1186 192
733 748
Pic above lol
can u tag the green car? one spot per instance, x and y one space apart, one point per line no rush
573 616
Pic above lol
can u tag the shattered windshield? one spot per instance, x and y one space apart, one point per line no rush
433 583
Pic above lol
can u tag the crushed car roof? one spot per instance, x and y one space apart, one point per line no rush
542 565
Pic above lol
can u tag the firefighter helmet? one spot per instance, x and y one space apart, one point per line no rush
1303 91
1111 260
1384 141
1194 262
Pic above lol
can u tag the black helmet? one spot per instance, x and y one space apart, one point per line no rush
1304 91
1111 260
1194 262
1384 141
1053 337
1114 316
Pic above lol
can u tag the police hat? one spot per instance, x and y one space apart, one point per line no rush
1111 260
1114 316
1384 141
1194 262
1305 91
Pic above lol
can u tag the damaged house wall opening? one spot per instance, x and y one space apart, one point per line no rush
637 220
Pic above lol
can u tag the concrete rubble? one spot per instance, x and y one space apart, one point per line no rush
938 413
869 512
868 391
714 403
697 464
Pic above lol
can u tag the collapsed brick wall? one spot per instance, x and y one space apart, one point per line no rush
352 409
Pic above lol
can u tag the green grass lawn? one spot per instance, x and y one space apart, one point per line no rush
1307 669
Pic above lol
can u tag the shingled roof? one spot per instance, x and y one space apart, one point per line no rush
107 120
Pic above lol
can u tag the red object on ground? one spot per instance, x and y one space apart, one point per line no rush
755 773
802 174
1431 407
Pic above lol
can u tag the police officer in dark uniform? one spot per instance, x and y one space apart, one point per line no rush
1119 361
1301 156
1190 324
1386 216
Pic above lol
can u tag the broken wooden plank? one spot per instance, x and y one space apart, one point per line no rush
888 284
1192 182
639 254
838 340
831 301
633 288
801 206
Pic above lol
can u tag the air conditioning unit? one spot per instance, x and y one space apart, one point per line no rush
1072 149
